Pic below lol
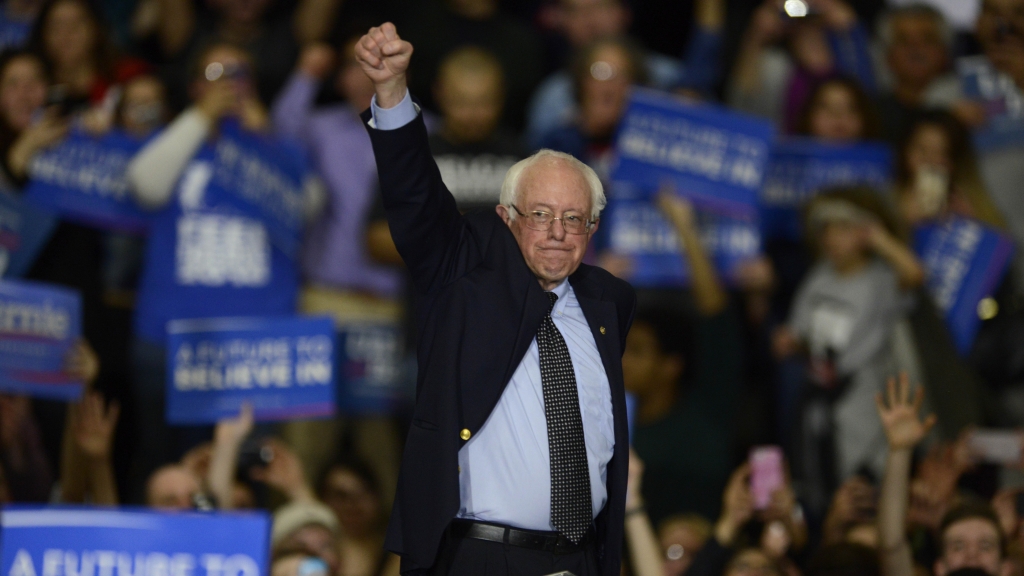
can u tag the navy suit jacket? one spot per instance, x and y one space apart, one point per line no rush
479 308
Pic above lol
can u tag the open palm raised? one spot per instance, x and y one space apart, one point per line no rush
903 428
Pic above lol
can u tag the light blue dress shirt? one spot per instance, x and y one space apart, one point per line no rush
505 468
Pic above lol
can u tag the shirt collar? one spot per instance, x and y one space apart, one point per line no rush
562 290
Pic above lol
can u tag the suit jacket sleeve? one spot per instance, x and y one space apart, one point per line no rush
431 235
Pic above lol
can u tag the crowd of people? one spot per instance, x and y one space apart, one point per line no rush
829 346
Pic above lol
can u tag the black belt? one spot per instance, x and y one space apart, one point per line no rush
535 540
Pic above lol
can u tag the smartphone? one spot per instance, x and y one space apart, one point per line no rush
996 446
766 474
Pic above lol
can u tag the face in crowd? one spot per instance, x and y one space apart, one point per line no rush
1000 30
835 115
645 366
604 89
356 505
469 93
917 52
172 487
70 35
22 91
143 106
555 186
973 542
225 64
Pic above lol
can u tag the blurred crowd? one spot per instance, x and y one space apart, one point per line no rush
803 351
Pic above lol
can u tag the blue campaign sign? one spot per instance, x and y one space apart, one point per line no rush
24 230
639 231
283 366
1002 99
964 261
84 180
262 178
39 323
714 156
802 167
80 541
370 370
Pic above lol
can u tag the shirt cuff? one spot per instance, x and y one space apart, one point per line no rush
393 118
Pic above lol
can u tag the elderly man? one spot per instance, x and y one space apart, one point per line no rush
517 454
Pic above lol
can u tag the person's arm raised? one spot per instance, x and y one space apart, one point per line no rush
904 430
424 221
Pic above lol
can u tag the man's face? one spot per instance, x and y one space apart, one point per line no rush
970 543
553 186
918 53
605 92
1000 29
172 488
471 103
644 366
584 21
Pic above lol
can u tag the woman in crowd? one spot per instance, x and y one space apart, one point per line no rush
839 111
23 85
350 488
937 174
73 40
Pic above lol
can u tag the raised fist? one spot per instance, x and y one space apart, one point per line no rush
384 57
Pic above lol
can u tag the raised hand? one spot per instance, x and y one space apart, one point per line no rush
284 472
737 506
82 363
230 432
384 57
94 430
903 428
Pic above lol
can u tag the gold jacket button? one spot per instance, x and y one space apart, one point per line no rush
602 329
465 434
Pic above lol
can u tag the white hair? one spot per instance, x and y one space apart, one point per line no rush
510 186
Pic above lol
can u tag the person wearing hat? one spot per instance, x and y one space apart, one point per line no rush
308 528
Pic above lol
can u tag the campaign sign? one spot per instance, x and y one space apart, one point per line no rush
641 232
283 366
370 376
84 180
262 178
964 261
39 323
714 156
80 541
24 230
1003 102
802 167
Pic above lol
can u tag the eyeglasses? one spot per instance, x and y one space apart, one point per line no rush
540 220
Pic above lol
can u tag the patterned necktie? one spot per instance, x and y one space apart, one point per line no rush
571 504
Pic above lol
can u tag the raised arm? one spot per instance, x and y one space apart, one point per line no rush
424 221
293 106
904 430
708 294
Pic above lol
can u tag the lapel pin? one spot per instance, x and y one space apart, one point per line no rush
602 329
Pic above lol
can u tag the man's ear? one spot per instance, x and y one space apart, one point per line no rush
503 213
593 228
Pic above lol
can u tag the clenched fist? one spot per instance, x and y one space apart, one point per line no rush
384 57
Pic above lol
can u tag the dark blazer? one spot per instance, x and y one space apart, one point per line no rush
479 308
